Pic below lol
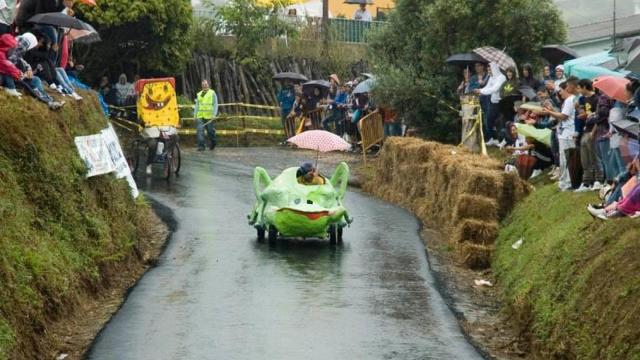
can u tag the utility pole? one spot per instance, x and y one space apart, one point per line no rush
614 24
325 28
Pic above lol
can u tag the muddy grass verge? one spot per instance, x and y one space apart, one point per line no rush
74 334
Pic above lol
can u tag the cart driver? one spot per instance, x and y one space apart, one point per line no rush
308 175
152 138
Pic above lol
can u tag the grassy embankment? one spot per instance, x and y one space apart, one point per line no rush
60 233
574 284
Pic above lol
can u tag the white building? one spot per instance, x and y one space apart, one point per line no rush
590 22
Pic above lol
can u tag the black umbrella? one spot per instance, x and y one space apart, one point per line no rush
57 19
317 83
295 77
323 85
558 54
465 59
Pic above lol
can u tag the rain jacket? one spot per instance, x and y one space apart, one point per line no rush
16 55
7 43
286 99
495 83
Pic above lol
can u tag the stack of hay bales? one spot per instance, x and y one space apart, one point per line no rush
449 189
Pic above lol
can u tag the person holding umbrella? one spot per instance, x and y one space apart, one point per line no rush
307 174
496 79
286 98
463 88
362 14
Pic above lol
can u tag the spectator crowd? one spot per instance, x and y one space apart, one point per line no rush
334 106
588 150
36 59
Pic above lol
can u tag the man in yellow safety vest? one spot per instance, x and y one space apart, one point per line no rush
204 112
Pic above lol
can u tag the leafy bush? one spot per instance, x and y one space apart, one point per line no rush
413 77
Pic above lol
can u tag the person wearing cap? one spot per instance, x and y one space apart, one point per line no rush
308 175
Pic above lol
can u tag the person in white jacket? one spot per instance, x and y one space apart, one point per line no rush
496 79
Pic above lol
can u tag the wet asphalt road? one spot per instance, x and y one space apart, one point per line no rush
219 294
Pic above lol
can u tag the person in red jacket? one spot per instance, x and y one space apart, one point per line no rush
9 73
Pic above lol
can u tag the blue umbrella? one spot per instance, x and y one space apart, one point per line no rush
592 72
594 59
364 87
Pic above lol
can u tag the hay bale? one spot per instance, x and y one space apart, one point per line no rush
476 207
476 257
435 181
476 232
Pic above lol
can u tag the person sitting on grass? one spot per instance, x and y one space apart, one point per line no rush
628 206
9 74
622 185
25 77
308 175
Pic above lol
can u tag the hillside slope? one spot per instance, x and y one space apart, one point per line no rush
574 284
60 233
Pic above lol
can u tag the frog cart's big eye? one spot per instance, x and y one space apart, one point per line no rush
297 201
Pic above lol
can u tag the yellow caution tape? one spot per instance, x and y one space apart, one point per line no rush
239 117
236 132
252 106
477 126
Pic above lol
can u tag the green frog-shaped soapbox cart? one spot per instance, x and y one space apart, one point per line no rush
288 209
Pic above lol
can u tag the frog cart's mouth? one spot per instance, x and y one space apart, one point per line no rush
156 105
313 215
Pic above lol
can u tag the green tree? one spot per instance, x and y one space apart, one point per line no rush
409 52
252 22
152 35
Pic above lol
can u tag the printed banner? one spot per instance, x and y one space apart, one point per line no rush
94 152
102 154
122 169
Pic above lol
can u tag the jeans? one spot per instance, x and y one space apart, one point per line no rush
565 177
211 133
392 129
617 163
63 79
7 81
490 124
602 151
34 87
485 102
589 160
